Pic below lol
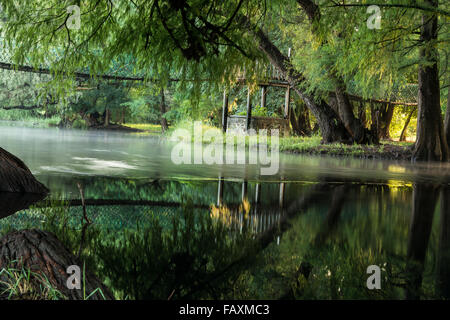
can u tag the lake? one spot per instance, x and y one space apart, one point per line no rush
225 231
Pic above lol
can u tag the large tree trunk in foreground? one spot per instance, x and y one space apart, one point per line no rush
16 177
43 253
431 143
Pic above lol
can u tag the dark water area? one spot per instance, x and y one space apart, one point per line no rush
210 231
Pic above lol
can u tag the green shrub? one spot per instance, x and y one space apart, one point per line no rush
79 124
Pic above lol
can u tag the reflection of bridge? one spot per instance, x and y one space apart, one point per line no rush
258 218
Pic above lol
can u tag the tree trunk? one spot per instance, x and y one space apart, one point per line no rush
431 143
331 126
300 123
385 119
294 123
447 119
408 120
353 125
374 117
164 125
304 121
122 116
16 177
107 115
43 253
362 114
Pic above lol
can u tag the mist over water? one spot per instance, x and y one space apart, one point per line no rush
54 153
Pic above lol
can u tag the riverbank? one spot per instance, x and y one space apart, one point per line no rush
386 150
149 129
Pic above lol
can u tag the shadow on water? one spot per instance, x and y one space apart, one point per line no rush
10 203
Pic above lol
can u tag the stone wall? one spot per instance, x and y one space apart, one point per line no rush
239 123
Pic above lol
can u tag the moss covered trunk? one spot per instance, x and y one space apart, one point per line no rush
431 143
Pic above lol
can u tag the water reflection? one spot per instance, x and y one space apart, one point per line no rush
277 240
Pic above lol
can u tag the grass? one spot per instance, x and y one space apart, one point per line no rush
313 146
145 126
148 129
24 284
20 283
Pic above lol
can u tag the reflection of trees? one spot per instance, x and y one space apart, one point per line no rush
333 214
425 197
331 261
325 250
443 258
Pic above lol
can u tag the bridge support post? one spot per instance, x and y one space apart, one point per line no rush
287 101
263 96
258 193
249 109
257 197
244 191
225 111
281 199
